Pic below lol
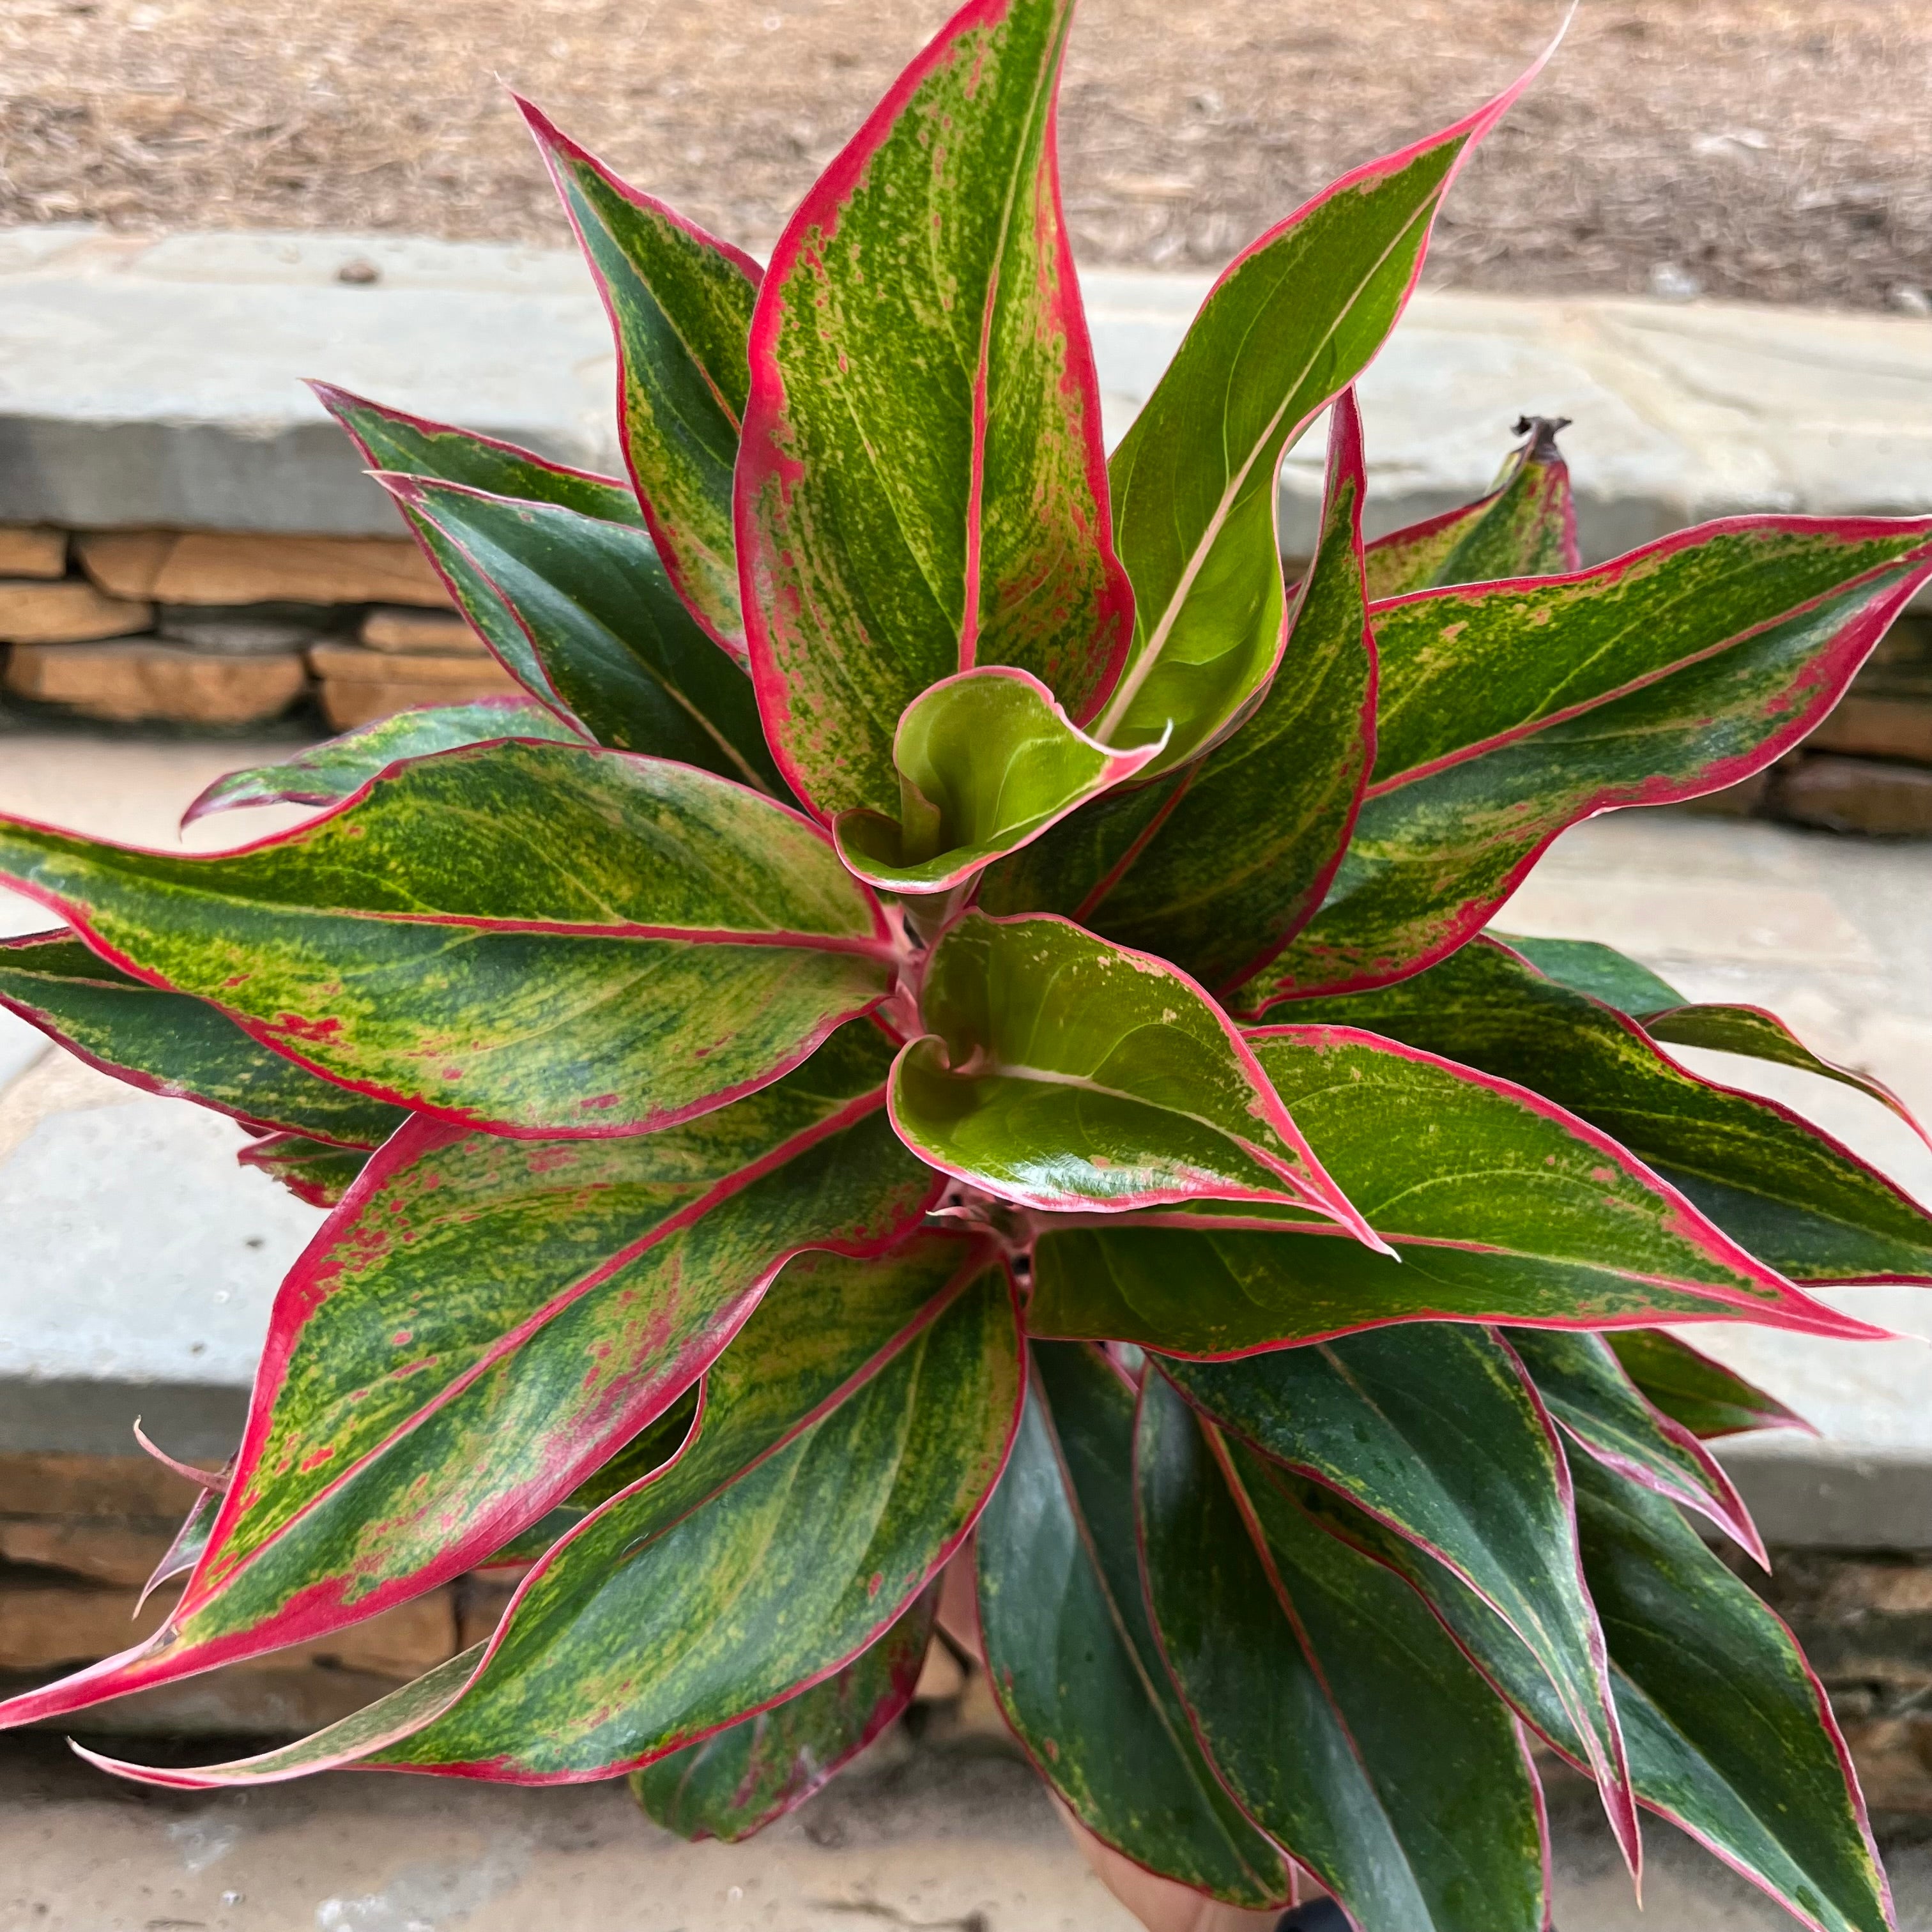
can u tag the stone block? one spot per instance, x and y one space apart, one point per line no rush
125 563
1843 794
102 1551
1744 800
246 630
33 1484
71 611
126 683
1878 724
1894 1757
271 1699
35 550
404 632
46 1626
942 1677
359 685
481 1602
212 567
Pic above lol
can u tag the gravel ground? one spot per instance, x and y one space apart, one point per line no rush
1771 150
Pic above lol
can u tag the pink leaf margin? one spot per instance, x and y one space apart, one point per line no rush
557 149
879 946
1120 766
252 1771
1313 1188
761 460
627 1406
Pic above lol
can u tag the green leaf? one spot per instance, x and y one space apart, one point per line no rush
1737 1730
1755 1034
1509 712
921 488
1070 1654
850 1438
1728 1736
1433 1430
410 445
1500 1206
1063 1072
1526 526
1217 867
649 1449
1587 1390
583 613
1292 321
1601 971
1704 1397
1344 1722
1790 1193
172 1043
328 773
741 1779
477 1327
534 937
987 761
312 1171
1750 1032
679 302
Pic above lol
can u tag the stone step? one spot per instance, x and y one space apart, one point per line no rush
922 1836
155 383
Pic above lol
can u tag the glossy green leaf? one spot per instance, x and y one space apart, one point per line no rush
1072 1657
742 1778
1500 1206
1727 1734
174 1044
824 1489
987 760
1791 1195
1738 1728
328 773
391 439
848 1440
312 1171
1216 867
539 938
679 302
1601 971
1587 1390
477 1327
1344 1722
583 613
1433 1430
1293 320
1526 526
1063 1072
649 1449
1509 712
1704 1397
922 488
1755 1034
1750 1032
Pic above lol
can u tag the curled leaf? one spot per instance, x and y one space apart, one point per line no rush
988 761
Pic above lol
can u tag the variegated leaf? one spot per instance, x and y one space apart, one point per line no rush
542 939
480 1323
679 302
921 489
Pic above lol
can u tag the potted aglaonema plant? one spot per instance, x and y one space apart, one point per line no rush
958 1015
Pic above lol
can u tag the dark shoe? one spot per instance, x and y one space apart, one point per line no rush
1324 1915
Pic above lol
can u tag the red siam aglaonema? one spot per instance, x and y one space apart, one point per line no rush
954 1023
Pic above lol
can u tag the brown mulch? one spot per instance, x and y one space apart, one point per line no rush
1773 150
